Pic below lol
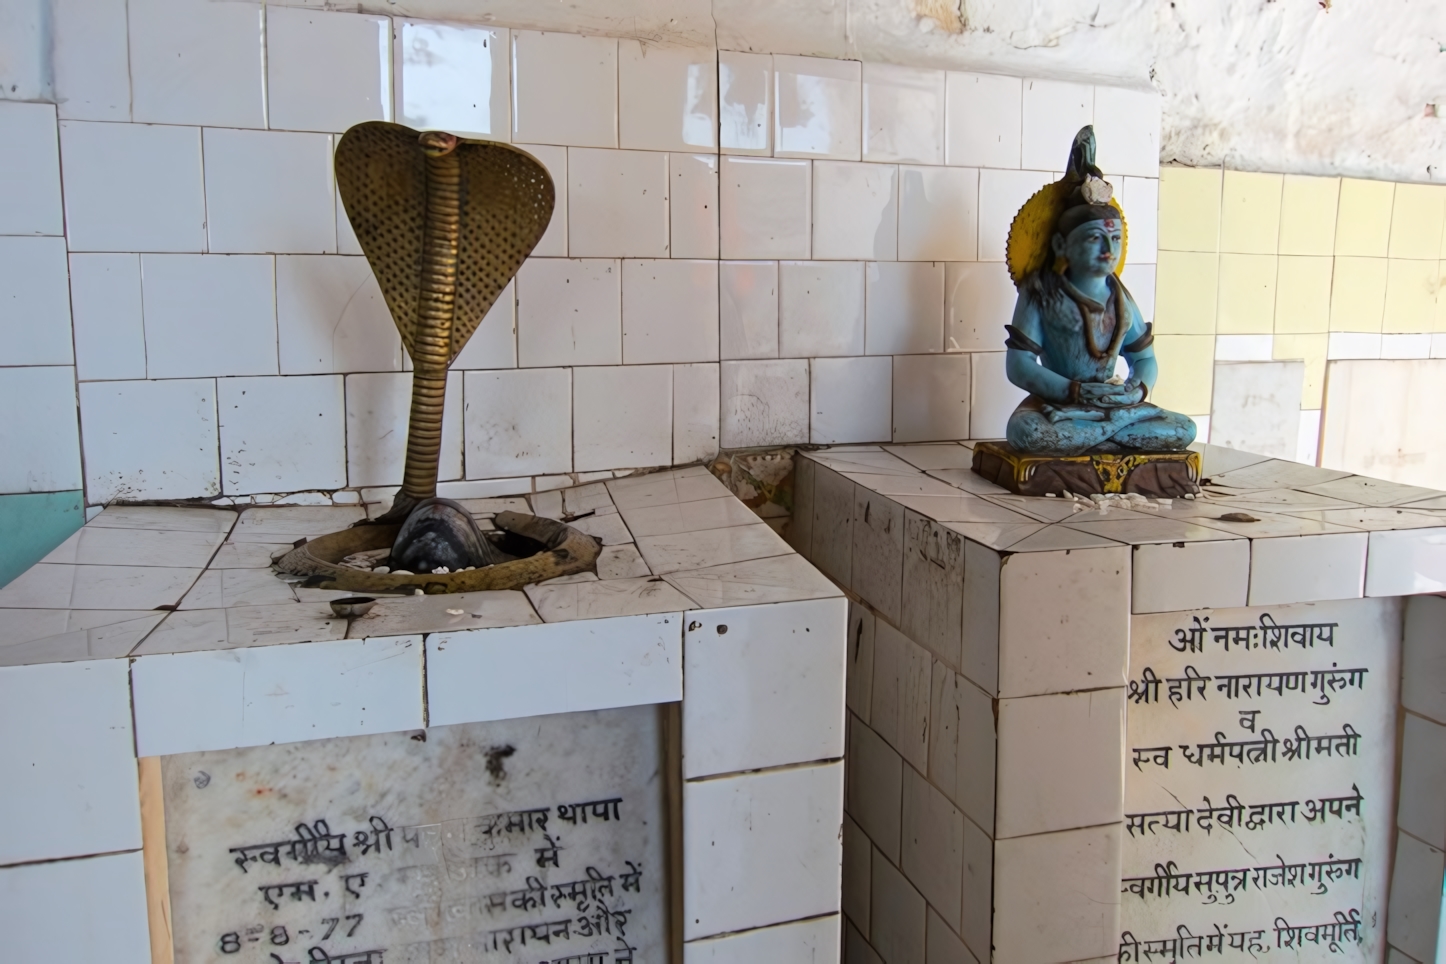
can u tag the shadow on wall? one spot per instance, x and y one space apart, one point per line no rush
32 524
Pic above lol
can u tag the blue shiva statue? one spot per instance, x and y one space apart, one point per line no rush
1074 319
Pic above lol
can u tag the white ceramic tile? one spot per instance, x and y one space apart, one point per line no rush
621 562
1190 575
995 397
765 208
810 940
453 612
937 456
1127 129
745 102
73 779
821 308
1054 111
196 63
818 109
754 582
670 311
903 114
1061 762
494 342
963 744
377 407
878 564
67 635
569 312
553 243
235 629
622 417
904 307
667 97
748 309
931 397
91 60
1139 279
588 600
933 588
42 897
850 399
833 518
942 945
695 413
132 187
771 841
497 674
150 440
1405 346
855 211
1423 780
1143 215
282 434
105 303
617 204
185 702
786 664
209 315
454 77
1071 879
1406 562
938 213
106 546
50 586
896 919
859 673
763 402
1307 568
30 155
165 518
326 71
34 302
704 548
564 89
666 488
978 302
1413 915
875 787
518 422
693 205
1353 344
933 845
1064 621
983 126
331 317
269 191
899 708
1244 348
224 588
1423 659
1001 195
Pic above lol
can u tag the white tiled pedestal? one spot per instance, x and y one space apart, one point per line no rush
991 679
161 630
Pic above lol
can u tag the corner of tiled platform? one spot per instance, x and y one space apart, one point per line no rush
158 630
989 639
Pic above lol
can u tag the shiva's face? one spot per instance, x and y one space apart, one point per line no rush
1093 248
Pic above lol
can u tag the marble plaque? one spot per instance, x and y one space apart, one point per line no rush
532 841
1258 788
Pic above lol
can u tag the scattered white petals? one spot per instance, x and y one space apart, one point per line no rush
441 571
454 612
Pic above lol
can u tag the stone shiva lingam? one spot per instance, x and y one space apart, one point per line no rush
1083 428
445 224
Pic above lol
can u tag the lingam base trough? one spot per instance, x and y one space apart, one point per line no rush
564 551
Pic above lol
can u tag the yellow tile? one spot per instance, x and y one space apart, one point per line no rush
1363 223
1358 294
1187 371
1303 294
1308 214
1411 288
1417 218
1312 348
1250 212
1247 295
1185 284
1189 209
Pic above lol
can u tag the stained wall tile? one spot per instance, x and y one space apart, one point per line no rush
667 97
34 302
196 63
105 304
763 402
150 440
518 422
454 77
326 71
564 89
30 154
282 434
209 315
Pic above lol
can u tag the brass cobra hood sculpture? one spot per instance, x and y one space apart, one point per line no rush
445 223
